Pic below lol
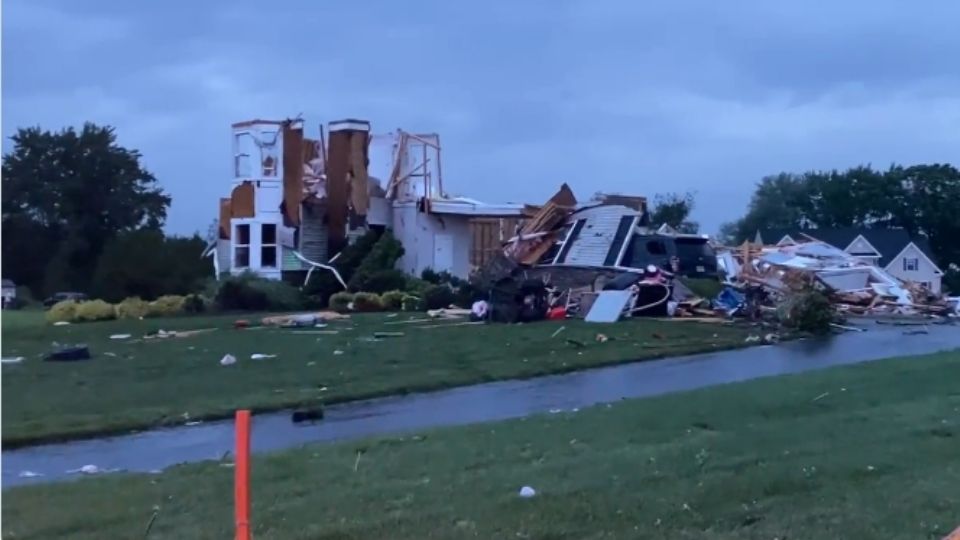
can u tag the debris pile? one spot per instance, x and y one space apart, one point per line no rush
763 277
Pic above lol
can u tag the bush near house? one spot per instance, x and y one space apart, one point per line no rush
341 301
365 301
378 264
393 300
132 308
438 296
249 292
382 281
65 311
166 306
94 310
413 303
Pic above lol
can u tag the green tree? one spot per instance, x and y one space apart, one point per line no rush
674 209
923 199
71 192
147 264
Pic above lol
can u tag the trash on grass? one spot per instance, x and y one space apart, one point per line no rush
61 323
29 474
526 492
90 469
261 356
228 360
379 335
69 354
12 360
337 352
120 336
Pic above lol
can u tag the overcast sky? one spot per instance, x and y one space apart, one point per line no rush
619 96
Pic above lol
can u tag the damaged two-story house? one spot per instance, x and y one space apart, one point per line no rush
297 201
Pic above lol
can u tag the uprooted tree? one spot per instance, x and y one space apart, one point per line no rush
66 195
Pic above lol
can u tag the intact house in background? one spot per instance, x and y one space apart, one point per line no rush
296 202
894 250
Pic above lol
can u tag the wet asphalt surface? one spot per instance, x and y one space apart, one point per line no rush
153 451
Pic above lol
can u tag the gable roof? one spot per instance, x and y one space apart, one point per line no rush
889 242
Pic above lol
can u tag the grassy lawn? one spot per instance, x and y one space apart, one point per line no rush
867 451
141 383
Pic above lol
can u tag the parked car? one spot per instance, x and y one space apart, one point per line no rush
696 257
61 296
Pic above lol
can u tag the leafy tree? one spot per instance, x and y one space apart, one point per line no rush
71 191
923 199
674 209
147 264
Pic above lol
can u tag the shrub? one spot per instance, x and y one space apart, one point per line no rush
382 256
413 303
95 310
249 292
807 311
194 303
365 301
416 286
323 284
132 308
65 311
382 281
392 300
438 296
166 306
341 301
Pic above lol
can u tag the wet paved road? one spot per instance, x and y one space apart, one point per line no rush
158 449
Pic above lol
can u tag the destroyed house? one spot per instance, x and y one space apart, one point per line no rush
296 201
903 256
610 232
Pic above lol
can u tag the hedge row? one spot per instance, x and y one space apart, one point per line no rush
131 308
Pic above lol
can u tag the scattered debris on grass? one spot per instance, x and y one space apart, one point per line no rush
261 356
526 492
29 474
69 354
337 352
61 323
228 360
557 332
12 360
91 469
120 336
379 335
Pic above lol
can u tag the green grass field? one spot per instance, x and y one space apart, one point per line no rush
137 384
868 451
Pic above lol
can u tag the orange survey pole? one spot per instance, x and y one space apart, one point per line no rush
241 476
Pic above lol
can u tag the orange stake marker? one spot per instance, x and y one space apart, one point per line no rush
241 476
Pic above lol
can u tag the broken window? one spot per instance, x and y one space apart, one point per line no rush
244 147
268 245
613 254
570 240
241 246
656 247
269 166
911 265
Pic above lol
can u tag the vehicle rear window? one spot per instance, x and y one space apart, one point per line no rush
693 248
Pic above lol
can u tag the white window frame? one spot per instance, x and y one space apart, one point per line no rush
915 266
236 245
275 245
237 154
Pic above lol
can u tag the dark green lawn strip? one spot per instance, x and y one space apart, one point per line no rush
876 457
149 384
